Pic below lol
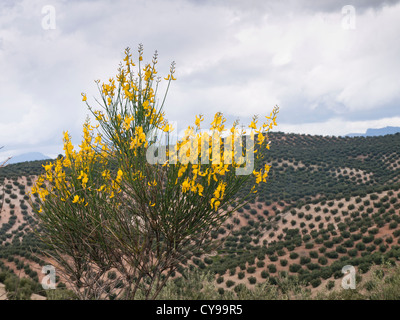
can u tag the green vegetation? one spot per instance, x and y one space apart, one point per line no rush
338 222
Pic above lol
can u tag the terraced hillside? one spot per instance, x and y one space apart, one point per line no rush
20 252
329 202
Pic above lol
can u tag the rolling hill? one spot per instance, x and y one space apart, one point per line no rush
329 202
376 132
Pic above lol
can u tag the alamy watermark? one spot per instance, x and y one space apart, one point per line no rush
199 147
348 17
349 279
49 280
49 20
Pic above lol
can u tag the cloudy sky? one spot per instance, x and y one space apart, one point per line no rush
332 67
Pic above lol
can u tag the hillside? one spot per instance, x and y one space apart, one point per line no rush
376 132
329 202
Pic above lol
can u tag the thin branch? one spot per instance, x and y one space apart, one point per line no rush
4 162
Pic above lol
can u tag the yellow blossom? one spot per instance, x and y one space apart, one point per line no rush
76 199
185 185
198 120
152 184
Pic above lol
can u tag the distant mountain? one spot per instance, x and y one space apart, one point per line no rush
376 132
30 156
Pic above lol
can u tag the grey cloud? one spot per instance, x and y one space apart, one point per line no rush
296 5
237 57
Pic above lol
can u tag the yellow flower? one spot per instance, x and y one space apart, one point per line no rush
182 170
152 184
198 120
167 128
99 115
152 204
97 139
201 189
84 96
127 122
252 125
261 138
218 195
258 176
139 139
215 203
146 104
84 178
66 136
106 174
47 167
42 194
76 199
185 185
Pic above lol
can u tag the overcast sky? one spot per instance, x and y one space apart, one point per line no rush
331 69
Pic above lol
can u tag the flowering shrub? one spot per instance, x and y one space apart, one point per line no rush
132 200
